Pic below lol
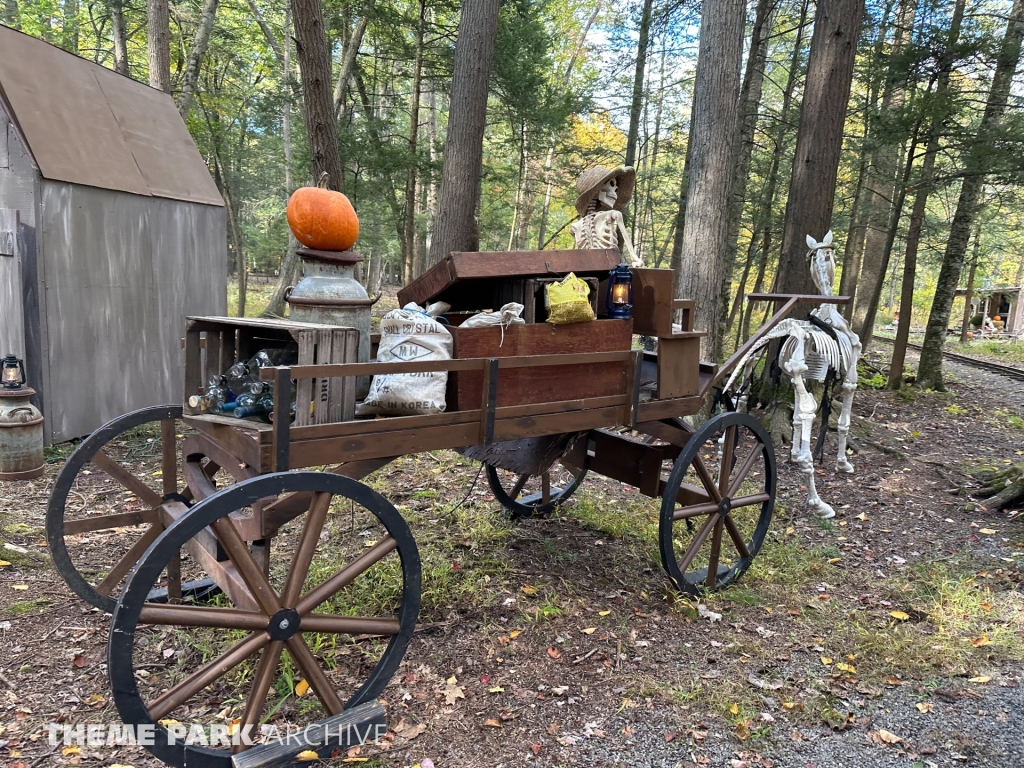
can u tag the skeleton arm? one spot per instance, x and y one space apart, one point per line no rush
621 225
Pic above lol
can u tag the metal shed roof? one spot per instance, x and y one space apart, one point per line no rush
86 124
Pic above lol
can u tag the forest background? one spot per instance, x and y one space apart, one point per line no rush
930 159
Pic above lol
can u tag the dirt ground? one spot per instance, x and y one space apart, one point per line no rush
864 640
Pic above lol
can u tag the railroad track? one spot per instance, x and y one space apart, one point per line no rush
985 365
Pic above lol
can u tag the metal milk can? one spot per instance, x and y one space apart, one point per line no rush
328 293
21 425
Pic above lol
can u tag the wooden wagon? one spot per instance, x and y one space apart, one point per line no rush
235 541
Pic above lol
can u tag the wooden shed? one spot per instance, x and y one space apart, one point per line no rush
111 232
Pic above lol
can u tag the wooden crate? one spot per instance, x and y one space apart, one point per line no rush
213 344
542 384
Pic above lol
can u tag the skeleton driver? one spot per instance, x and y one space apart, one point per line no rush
602 196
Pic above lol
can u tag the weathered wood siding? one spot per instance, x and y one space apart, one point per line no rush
121 272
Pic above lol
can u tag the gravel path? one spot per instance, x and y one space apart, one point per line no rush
982 732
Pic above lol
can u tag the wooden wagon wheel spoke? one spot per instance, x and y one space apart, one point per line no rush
518 487
126 479
545 488
745 468
698 542
303 555
349 625
736 536
250 572
263 679
202 616
314 674
169 462
685 513
344 577
191 685
103 522
121 568
725 468
716 549
706 479
746 501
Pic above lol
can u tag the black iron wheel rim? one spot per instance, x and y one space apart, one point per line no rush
57 504
120 665
520 509
667 523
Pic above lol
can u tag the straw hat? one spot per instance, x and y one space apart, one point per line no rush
590 181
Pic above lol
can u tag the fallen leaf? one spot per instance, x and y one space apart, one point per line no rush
862 516
706 613
410 732
925 706
987 531
981 679
452 680
72 750
735 709
301 688
492 723
669 736
528 589
496 689
453 693
20 587
893 681
826 660
554 653
589 630
79 661
307 755
535 748
848 668
888 737
599 613
515 633
4 563
899 615
977 642
986 607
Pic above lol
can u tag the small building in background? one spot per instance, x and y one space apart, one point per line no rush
111 232
1002 302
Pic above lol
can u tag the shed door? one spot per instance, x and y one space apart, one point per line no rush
12 315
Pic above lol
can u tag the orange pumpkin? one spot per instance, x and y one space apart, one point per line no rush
322 219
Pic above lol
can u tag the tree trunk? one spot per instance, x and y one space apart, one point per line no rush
925 184
158 28
819 139
969 295
195 58
716 88
348 61
456 227
286 109
409 241
119 33
879 186
638 83
976 164
750 101
268 33
12 17
431 203
315 64
764 216
70 26
291 266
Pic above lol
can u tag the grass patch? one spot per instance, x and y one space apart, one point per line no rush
24 607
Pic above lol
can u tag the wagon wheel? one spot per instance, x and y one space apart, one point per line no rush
349 590
526 495
717 504
102 512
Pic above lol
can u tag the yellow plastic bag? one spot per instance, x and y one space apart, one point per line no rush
567 301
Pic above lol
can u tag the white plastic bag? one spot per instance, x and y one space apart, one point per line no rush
406 335
506 316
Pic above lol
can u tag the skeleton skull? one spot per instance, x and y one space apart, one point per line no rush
608 193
